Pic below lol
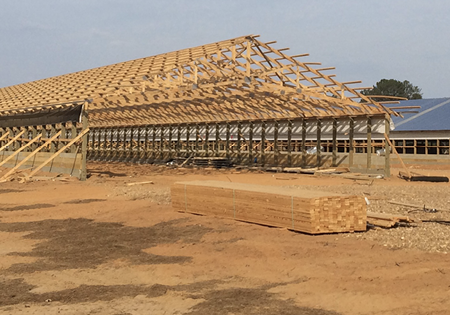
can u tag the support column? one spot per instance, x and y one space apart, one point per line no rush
139 145
227 141
188 136
53 144
250 143
217 143
131 148
289 143
238 144
387 148
85 124
369 143
303 143
319 143
170 140
161 142
276 149
146 129
334 160
153 143
73 131
206 146
62 136
197 136
263 143
351 143
178 145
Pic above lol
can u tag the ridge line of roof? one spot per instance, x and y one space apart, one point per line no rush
131 60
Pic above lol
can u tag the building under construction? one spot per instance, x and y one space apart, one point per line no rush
238 101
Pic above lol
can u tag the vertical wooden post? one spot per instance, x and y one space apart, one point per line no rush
153 143
263 143
111 143
105 143
161 142
319 143
276 149
73 132
369 143
351 143
44 132
188 136
197 136
217 143
206 146
2 133
289 142
303 142
52 133
334 160
63 135
250 143
238 143
170 140
33 135
139 144
178 145
99 143
85 124
145 155
387 148
227 140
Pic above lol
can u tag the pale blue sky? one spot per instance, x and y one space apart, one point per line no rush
365 40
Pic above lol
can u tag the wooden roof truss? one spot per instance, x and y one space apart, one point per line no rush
237 79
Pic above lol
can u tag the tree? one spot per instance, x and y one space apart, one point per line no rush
393 87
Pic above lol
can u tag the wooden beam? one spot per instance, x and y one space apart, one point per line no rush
20 150
29 156
351 143
12 140
369 143
387 147
81 134
334 160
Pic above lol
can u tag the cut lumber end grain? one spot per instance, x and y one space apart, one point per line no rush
313 212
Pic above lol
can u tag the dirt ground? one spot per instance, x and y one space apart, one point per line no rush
103 247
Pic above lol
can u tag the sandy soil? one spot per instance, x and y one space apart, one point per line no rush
102 247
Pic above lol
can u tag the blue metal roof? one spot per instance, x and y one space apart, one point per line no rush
434 114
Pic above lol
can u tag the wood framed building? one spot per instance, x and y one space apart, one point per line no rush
241 99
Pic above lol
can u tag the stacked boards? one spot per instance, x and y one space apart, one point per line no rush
307 211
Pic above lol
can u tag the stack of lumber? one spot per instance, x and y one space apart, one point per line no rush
387 220
312 212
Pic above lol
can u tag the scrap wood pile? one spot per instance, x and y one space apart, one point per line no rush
388 220
312 212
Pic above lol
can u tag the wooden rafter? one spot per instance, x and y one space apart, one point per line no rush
240 78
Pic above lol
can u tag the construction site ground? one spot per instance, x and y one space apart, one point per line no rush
106 247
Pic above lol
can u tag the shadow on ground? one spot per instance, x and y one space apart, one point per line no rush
83 243
236 301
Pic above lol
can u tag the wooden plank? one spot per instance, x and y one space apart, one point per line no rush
398 156
81 134
12 140
30 156
20 149
307 211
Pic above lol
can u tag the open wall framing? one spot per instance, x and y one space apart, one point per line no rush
55 143
254 143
